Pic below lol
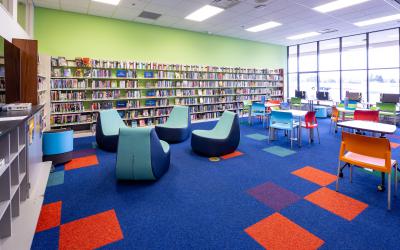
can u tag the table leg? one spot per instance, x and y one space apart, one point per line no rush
299 139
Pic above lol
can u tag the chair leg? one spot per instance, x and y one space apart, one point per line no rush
389 189
269 134
319 141
351 173
337 177
395 179
291 141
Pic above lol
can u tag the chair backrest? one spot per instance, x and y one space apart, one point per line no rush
335 113
284 105
295 100
257 107
367 115
111 122
281 117
367 146
179 117
224 124
275 101
263 99
386 107
247 103
310 119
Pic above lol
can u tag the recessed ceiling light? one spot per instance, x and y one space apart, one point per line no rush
336 5
203 13
378 20
112 2
304 35
264 26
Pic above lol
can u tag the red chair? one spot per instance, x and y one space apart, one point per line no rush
274 101
310 122
366 115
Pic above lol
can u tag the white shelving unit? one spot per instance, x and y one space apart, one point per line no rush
14 187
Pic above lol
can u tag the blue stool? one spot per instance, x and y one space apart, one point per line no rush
58 146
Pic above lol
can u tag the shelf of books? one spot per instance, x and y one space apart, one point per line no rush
44 89
2 81
144 93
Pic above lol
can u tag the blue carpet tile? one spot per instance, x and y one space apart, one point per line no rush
199 204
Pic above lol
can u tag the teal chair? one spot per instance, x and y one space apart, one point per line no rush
223 139
107 128
295 103
247 109
141 155
283 121
177 127
258 109
387 110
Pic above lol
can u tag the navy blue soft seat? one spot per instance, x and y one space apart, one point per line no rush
107 128
58 145
177 127
223 139
146 159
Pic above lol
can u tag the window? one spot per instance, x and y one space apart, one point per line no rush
384 49
355 81
292 84
329 55
308 83
354 52
383 81
292 60
330 82
308 57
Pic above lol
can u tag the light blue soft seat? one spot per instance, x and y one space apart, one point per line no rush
141 155
177 127
107 128
58 145
284 121
223 139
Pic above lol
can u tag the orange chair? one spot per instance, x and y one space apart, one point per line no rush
310 123
335 118
367 152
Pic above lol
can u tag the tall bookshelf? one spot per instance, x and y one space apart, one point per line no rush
2 81
144 93
43 90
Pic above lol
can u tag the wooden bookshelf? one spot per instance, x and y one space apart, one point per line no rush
144 93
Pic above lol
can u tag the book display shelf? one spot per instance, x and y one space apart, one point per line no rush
44 89
144 93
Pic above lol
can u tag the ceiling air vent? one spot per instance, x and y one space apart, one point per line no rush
149 15
326 31
224 4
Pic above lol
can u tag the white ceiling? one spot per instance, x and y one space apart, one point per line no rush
296 16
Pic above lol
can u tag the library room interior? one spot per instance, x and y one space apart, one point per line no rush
199 124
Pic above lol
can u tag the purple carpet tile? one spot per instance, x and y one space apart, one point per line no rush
273 195
83 152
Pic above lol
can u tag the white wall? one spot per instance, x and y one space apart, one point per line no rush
9 27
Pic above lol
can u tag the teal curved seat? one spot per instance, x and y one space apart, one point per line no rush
141 155
177 127
107 128
223 139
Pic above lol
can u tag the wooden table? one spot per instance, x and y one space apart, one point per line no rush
368 126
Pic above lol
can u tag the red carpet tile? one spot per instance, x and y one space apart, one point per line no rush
50 216
278 232
82 162
316 176
337 203
394 145
232 155
91 232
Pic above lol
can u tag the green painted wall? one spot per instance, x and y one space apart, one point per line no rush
71 34
21 14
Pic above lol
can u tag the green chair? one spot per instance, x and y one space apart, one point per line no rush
177 127
295 103
141 155
387 110
107 128
223 139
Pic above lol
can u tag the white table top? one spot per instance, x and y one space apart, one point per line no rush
295 112
369 126
268 105
343 110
